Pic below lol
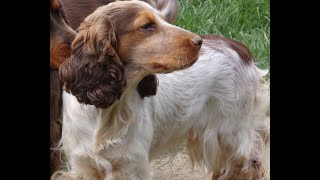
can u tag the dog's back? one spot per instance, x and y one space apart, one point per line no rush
223 93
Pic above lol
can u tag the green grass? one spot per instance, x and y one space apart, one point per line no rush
245 21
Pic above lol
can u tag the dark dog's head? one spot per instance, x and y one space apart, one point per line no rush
124 35
61 36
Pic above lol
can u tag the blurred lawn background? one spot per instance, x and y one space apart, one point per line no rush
247 21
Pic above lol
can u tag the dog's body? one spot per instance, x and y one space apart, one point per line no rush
61 36
218 105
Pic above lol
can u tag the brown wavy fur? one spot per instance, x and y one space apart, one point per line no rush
84 73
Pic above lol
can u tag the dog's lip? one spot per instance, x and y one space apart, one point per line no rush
191 62
166 70
194 60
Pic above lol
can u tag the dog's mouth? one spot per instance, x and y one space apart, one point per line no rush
190 63
167 68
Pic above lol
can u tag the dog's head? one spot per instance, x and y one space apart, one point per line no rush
61 36
124 35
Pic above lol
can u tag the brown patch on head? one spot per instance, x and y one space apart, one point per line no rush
59 52
159 49
55 4
61 36
143 17
243 52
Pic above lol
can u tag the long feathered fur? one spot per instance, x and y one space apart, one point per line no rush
218 106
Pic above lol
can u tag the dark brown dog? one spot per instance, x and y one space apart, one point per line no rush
76 10
61 37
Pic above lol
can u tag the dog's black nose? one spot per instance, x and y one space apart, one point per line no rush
197 41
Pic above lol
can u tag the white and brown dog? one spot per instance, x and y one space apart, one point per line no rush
211 95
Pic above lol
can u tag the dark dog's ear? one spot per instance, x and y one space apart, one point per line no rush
55 4
168 8
94 74
148 86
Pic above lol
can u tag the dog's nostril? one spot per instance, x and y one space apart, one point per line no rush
197 41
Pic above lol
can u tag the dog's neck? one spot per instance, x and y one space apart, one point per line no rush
133 77
117 118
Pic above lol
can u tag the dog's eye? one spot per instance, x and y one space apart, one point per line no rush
148 26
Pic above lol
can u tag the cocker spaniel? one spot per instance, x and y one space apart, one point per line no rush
211 96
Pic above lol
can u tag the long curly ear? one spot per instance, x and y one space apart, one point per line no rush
94 74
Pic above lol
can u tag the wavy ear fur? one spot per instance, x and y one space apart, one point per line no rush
94 74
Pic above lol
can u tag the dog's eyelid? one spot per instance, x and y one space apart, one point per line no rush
148 26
